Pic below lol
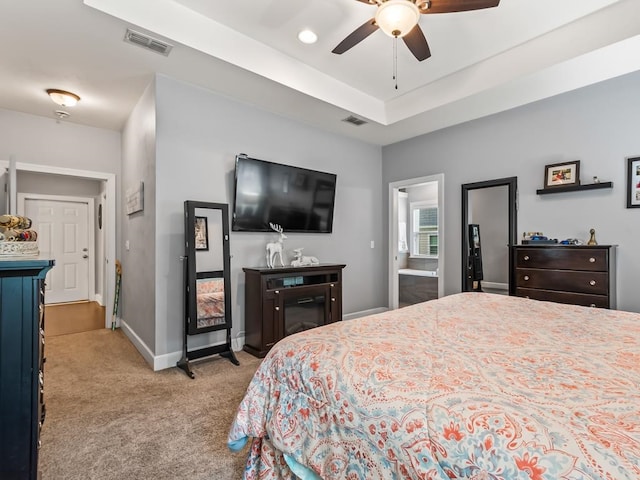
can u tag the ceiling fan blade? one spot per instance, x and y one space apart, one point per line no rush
449 6
356 36
417 43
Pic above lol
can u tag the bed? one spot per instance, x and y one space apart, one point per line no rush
473 385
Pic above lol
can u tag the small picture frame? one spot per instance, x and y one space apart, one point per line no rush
201 233
562 174
633 182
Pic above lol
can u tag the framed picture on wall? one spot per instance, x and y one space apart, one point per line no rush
561 174
633 182
202 234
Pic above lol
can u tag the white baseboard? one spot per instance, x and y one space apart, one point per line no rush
98 298
168 360
495 285
364 313
145 351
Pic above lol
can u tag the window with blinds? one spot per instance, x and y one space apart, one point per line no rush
424 229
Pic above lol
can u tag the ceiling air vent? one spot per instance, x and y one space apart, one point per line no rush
145 41
354 120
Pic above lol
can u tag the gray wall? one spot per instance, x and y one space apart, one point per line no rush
47 141
198 135
139 229
597 125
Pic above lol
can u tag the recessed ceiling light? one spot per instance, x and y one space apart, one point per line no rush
307 36
62 97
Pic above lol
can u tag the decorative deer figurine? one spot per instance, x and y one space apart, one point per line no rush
302 260
275 248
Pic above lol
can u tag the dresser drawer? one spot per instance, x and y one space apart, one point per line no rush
563 258
586 300
570 281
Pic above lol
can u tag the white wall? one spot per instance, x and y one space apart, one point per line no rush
597 125
199 133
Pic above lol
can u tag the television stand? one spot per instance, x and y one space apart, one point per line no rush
287 300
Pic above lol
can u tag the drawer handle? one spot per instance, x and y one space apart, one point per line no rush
592 260
526 277
592 283
277 308
526 257
277 291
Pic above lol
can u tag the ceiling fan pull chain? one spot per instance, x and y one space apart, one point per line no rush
395 60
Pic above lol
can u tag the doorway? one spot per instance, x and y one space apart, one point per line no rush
417 239
492 206
106 254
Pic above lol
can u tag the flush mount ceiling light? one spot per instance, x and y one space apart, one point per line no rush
307 36
397 18
62 97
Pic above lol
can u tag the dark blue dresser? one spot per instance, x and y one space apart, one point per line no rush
22 408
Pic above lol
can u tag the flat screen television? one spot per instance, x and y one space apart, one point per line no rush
297 199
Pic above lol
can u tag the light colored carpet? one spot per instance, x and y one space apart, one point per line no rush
109 416
66 318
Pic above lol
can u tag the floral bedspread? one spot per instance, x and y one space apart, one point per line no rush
473 385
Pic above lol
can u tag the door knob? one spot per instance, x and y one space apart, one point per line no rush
85 249
85 256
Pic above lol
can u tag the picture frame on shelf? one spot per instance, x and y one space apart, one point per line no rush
633 182
562 174
201 233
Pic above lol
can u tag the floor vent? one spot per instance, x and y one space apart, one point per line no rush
354 120
145 41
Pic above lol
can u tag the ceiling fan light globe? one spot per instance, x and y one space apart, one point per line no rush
397 18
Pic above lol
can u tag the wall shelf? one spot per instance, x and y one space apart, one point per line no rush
574 188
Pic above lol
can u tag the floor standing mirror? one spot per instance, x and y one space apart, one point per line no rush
207 286
489 208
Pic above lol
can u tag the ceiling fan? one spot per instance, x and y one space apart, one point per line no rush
399 19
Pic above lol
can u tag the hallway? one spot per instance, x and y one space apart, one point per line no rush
66 318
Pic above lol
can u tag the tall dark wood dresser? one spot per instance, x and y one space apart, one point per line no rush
575 274
22 408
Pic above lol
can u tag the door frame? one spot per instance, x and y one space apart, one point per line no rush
109 214
394 187
23 197
512 184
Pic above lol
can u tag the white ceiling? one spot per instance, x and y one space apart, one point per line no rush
482 61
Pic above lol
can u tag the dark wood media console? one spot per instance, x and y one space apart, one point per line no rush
287 300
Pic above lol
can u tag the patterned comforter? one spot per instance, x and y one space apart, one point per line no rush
473 386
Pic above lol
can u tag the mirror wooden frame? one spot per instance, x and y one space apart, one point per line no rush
191 278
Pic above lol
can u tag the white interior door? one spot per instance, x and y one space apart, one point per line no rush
64 235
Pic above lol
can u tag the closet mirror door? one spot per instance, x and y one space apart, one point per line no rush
208 272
